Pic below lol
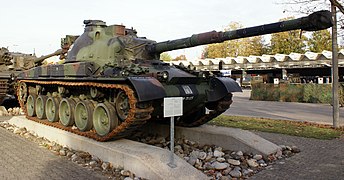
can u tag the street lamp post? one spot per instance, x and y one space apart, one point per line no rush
335 83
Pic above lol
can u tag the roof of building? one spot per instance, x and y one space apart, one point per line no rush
293 60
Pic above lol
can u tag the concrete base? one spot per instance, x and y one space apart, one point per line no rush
144 160
227 138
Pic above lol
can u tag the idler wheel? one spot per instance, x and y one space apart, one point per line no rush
22 91
83 115
66 112
52 109
40 106
30 105
104 118
122 105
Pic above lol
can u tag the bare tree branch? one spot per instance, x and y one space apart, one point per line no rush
309 6
338 5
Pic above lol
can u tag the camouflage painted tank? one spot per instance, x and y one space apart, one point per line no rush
11 64
112 81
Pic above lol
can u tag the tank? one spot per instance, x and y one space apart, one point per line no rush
112 81
11 64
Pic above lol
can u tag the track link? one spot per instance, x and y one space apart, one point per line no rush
135 119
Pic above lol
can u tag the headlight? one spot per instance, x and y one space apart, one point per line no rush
125 73
165 75
203 74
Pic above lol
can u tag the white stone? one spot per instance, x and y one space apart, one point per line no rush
16 130
220 159
125 173
218 153
75 157
239 153
233 162
3 111
93 163
63 152
198 164
235 173
252 163
194 154
220 166
202 155
257 157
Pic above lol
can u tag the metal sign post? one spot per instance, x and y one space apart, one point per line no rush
171 163
172 107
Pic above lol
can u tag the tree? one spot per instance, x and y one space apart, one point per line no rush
309 6
180 57
216 50
256 46
319 41
165 56
238 47
288 42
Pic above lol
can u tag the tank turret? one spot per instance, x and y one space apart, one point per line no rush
112 81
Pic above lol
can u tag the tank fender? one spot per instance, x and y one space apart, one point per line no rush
220 87
147 88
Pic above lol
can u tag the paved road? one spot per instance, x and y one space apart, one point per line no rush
320 113
318 159
22 159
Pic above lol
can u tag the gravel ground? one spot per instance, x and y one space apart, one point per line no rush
318 159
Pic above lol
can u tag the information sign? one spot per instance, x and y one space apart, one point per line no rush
173 106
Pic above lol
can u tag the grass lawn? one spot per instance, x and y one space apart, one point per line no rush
303 129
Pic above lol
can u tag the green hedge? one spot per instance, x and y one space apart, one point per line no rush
310 93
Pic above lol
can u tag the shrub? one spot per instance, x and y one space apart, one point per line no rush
310 93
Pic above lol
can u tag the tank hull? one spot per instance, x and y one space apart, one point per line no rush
144 97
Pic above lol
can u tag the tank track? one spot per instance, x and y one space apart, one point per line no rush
221 107
4 89
135 119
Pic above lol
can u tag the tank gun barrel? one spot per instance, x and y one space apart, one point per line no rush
316 21
42 58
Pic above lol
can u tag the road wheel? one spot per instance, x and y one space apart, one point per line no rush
40 106
66 112
30 105
122 105
83 115
52 109
104 118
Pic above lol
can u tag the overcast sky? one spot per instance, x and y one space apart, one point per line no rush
39 24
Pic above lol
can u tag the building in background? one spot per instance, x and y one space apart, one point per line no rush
293 68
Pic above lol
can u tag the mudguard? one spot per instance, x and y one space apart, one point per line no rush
147 88
220 87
